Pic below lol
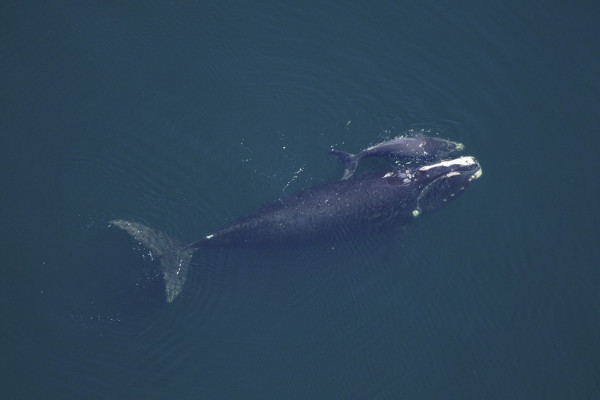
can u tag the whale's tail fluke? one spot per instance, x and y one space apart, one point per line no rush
350 162
174 257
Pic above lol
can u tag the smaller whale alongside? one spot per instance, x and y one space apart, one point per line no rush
422 148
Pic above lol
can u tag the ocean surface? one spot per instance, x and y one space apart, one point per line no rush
187 115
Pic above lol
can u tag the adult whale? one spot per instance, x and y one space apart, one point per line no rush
328 211
421 148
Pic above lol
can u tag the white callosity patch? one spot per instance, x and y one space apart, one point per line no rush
462 161
476 175
406 176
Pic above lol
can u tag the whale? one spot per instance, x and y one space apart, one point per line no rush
420 148
325 212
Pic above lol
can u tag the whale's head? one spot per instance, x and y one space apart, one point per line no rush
454 147
443 181
440 148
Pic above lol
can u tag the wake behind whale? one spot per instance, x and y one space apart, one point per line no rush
325 212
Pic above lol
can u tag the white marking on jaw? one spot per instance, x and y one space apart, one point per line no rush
465 161
476 174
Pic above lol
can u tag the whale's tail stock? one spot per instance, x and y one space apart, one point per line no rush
350 162
174 257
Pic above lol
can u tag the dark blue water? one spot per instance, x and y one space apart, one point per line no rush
185 117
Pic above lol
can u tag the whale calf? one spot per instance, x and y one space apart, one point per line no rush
324 212
423 148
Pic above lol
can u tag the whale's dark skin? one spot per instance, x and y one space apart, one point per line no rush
333 209
324 212
421 148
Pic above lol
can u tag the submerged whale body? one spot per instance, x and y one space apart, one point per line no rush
422 148
328 211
